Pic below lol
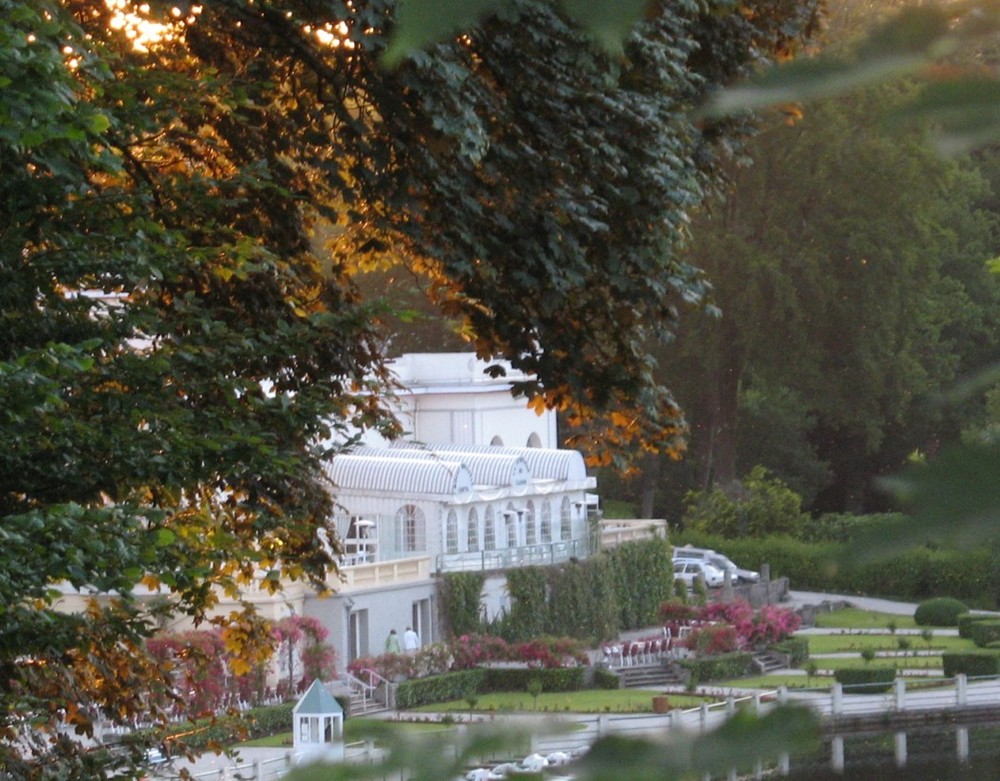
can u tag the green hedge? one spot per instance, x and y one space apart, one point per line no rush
713 668
439 688
605 679
939 611
915 575
516 679
972 663
966 620
865 680
797 649
227 729
984 632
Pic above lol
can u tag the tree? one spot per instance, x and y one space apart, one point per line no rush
174 349
867 312
171 354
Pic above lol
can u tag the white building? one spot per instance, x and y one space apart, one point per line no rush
477 484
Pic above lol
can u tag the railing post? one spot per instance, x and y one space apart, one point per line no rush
837 701
962 743
676 718
837 754
784 763
703 715
900 745
730 705
602 725
900 693
258 770
961 690
782 695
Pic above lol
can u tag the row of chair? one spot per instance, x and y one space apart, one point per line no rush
635 652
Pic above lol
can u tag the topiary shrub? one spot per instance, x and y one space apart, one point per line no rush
865 680
971 663
966 620
713 668
438 688
605 679
940 611
797 649
982 633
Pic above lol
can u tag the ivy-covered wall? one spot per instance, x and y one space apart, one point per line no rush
589 600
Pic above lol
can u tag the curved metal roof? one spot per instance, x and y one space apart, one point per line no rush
544 463
487 468
399 475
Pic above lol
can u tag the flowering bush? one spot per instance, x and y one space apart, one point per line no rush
674 611
772 624
767 626
713 639
470 651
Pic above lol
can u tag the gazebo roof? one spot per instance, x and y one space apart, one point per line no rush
317 701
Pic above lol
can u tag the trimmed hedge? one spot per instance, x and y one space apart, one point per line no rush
983 633
227 729
458 685
605 679
939 611
865 680
439 688
516 679
797 649
713 668
966 620
915 575
972 663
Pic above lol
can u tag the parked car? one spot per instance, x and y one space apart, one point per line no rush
737 573
689 569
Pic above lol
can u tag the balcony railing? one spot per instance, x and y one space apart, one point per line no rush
506 558
617 531
385 573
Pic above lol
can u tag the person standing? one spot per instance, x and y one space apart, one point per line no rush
411 640
392 643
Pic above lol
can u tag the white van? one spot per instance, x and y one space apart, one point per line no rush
738 574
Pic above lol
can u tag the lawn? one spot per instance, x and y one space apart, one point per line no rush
856 618
830 644
585 701
356 728
767 682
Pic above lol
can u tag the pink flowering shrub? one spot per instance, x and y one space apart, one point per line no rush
469 651
767 626
712 639
674 611
773 624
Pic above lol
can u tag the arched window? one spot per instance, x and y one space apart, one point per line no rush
411 529
510 515
546 521
490 533
472 533
565 520
534 440
451 533
530 532
497 441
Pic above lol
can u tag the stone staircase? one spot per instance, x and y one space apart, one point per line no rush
644 676
768 661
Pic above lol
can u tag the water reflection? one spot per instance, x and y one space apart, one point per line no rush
939 752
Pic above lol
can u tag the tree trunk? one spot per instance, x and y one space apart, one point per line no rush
719 459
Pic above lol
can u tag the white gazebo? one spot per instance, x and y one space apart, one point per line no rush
318 726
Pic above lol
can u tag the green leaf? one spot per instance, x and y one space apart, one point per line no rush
955 500
608 23
420 23
164 537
